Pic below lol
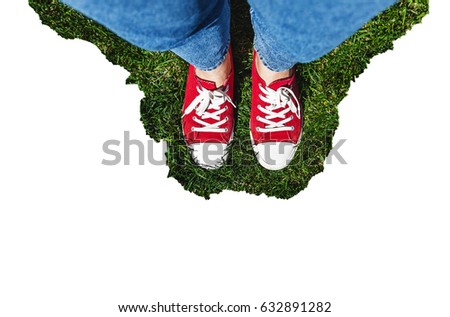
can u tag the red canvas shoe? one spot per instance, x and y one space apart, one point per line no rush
208 119
275 120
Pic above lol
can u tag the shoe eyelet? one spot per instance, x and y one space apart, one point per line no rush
226 107
258 129
226 129
291 117
258 118
194 118
192 129
292 128
226 118
259 96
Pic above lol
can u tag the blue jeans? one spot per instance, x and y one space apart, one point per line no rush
286 31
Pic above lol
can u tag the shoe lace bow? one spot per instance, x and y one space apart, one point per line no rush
274 119
209 104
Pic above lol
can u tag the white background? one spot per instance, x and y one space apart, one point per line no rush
78 238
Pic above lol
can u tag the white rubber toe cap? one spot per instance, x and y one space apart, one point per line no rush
275 155
209 155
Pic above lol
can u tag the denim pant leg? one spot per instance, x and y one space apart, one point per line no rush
300 31
197 31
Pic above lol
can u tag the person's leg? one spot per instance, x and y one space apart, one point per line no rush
289 32
197 31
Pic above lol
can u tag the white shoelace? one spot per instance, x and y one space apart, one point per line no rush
281 98
209 100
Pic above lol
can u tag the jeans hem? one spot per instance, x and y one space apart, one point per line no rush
266 48
221 59
264 62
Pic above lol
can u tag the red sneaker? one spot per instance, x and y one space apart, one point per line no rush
208 119
275 120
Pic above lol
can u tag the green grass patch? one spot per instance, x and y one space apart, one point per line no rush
161 76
